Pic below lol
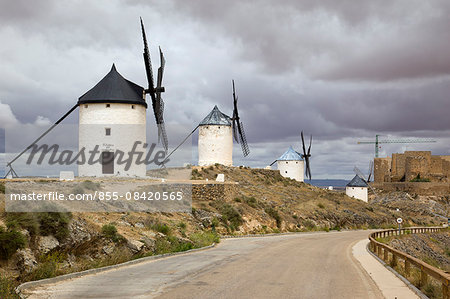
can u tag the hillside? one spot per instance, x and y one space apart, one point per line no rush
39 245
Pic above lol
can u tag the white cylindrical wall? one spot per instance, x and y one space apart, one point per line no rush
215 145
126 124
292 169
357 192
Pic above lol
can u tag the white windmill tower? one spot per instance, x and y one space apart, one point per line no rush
113 117
292 164
357 188
215 138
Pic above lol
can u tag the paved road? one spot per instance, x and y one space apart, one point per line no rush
310 265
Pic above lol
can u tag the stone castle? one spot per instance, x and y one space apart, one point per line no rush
412 165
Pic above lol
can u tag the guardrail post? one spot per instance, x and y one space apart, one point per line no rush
394 260
407 267
423 277
386 254
445 291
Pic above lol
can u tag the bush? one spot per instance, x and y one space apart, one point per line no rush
10 242
171 244
55 224
27 221
7 288
203 239
47 223
48 267
230 216
109 231
419 179
2 188
161 227
274 214
320 205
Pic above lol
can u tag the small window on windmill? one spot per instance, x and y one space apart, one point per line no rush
85 106
132 106
286 162
108 131
296 162
108 105
286 171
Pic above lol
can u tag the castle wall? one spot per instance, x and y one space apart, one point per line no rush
382 169
407 166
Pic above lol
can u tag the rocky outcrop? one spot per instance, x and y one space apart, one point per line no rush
25 260
47 243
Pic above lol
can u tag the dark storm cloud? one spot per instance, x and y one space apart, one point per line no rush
363 40
340 70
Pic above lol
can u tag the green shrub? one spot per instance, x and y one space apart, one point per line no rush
46 223
419 179
27 221
230 216
7 287
2 188
202 239
274 214
109 231
170 244
55 224
251 201
10 242
48 266
320 205
162 228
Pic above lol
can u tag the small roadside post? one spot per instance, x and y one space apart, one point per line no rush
399 221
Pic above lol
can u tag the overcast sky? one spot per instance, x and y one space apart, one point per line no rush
342 71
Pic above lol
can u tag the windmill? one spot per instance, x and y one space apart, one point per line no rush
114 90
292 164
216 133
155 92
238 127
363 177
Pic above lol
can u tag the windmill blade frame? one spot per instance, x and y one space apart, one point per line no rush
155 92
238 127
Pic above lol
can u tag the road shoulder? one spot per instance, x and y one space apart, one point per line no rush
389 284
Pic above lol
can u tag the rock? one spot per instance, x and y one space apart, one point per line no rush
149 243
47 243
139 224
109 248
135 245
78 234
25 260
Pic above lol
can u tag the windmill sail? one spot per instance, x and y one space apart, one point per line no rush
155 93
238 127
306 155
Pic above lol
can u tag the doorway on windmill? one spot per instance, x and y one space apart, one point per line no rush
107 162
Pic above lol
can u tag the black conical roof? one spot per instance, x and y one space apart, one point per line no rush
114 88
357 182
216 117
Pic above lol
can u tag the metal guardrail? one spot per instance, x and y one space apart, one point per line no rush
387 253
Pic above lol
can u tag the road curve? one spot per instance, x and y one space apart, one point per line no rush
309 265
